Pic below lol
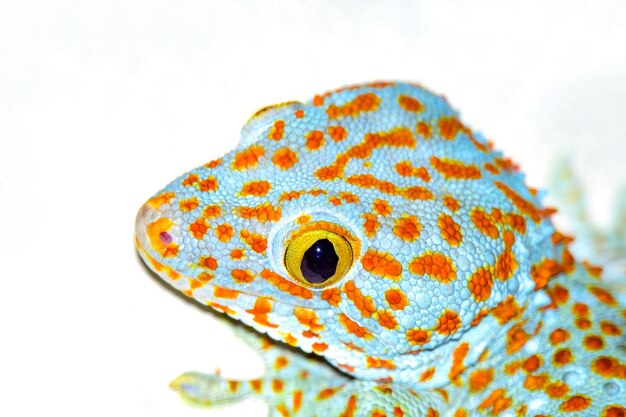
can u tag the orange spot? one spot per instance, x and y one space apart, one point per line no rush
365 304
213 164
353 328
204 277
285 285
207 185
450 230
407 228
460 412
523 205
609 328
431 412
535 382
406 169
451 203
337 133
417 193
371 362
449 126
458 356
582 323
248 157
497 401
424 130
480 284
396 298
455 170
593 342
532 363
562 357
517 222
314 140
594 270
262 306
371 224
436 265
299 114
263 213
557 389
505 265
198 228
308 318
381 207
257 242
410 104
332 296
387 319
580 309
559 294
516 339
559 336
609 367
427 374
603 296
483 223
277 386
161 199
284 158
224 232
233 386
576 403
188 205
366 102
220 292
448 323
480 379
506 310
543 272
297 400
381 264
191 180
491 168
278 130
319 347
242 276
328 392
256 385
256 188
208 262
418 336
212 211
236 254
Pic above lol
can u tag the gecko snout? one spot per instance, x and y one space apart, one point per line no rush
156 233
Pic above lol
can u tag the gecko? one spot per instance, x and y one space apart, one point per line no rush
386 260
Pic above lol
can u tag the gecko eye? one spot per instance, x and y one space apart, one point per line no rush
318 258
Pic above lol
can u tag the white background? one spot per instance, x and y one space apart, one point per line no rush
103 103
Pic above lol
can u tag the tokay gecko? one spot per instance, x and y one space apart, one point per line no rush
370 227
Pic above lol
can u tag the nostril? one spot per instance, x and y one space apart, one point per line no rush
165 238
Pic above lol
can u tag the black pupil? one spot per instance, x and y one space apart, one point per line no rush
319 262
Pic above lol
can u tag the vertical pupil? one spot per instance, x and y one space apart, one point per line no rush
319 262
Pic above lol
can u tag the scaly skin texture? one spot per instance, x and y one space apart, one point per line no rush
453 294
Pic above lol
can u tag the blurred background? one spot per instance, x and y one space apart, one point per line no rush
104 103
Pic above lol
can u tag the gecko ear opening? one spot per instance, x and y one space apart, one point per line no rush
318 258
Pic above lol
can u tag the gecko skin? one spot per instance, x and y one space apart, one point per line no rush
372 228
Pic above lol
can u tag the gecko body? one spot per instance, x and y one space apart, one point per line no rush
372 228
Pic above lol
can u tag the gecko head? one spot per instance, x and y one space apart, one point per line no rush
369 226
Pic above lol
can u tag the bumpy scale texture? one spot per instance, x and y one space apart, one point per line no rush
456 297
